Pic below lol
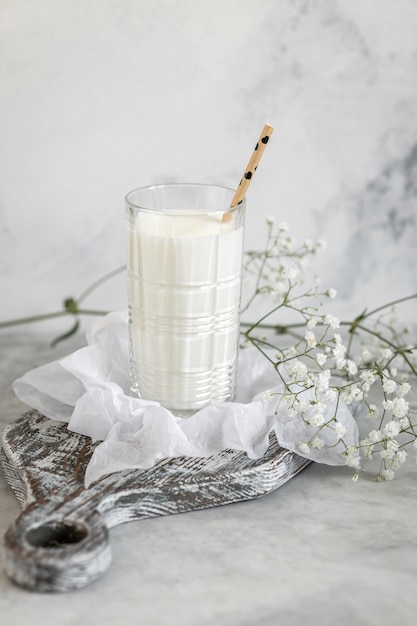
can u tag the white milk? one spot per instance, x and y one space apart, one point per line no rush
184 297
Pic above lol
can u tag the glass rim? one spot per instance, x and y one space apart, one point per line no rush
228 209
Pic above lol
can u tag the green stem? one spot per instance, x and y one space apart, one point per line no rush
390 304
259 324
400 351
33 318
71 306
100 281
91 312
48 316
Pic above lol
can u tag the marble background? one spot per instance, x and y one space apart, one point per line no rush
99 97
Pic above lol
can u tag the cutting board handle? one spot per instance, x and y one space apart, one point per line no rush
56 552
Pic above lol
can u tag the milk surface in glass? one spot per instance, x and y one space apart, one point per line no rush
184 302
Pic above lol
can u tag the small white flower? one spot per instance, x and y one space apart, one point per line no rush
288 400
319 407
317 443
321 358
321 382
400 407
290 273
270 220
351 367
388 405
369 448
287 243
340 430
312 323
387 454
290 352
402 456
389 386
331 321
330 395
316 420
392 447
366 355
304 448
375 436
372 411
310 339
387 474
368 377
394 463
403 389
387 353
283 226
280 287
339 352
356 394
404 422
346 397
331 293
298 370
391 429
352 457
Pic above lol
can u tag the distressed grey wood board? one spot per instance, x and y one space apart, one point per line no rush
60 541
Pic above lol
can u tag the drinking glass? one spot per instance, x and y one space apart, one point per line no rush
185 247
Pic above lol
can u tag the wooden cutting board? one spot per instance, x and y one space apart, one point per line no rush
60 541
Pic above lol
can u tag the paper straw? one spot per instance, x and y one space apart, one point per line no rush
253 164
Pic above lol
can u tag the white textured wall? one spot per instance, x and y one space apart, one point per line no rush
101 96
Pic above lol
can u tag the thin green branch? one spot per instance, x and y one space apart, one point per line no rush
391 304
399 350
70 305
100 281
32 318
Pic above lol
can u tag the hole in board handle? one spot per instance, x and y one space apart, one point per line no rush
56 534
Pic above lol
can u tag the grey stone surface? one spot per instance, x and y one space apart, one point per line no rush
320 550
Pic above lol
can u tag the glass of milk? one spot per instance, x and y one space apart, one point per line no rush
185 247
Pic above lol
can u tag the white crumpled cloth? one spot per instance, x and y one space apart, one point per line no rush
89 390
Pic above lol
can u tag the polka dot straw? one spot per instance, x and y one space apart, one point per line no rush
253 164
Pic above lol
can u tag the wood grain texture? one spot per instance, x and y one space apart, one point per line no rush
60 541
